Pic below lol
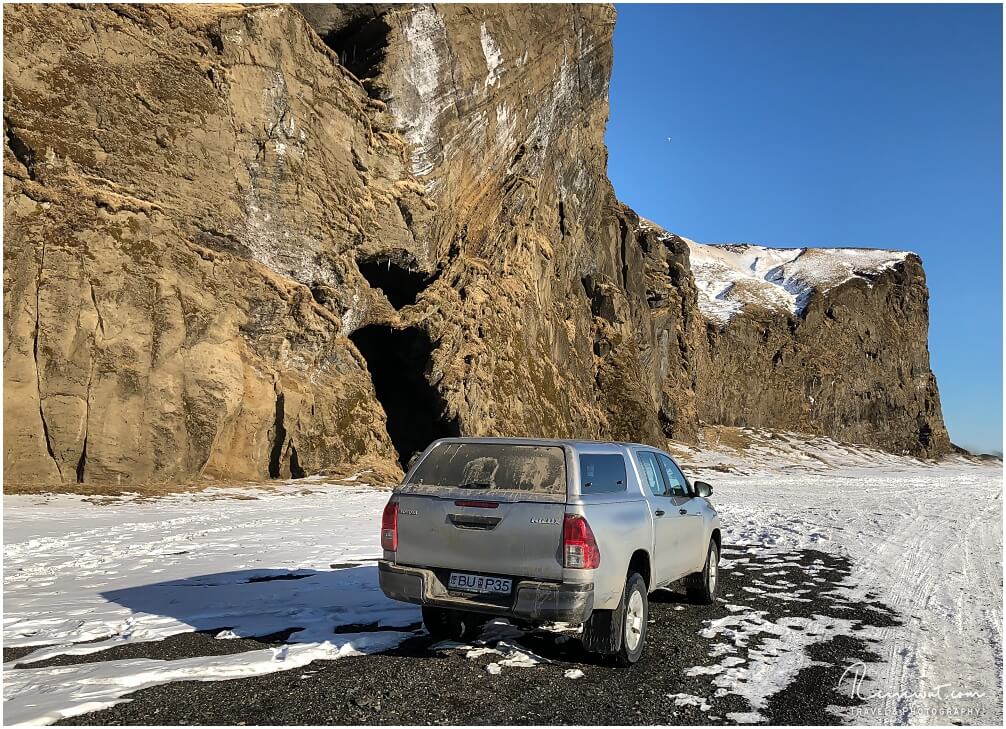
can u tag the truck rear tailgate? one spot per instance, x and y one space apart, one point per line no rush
518 538
485 508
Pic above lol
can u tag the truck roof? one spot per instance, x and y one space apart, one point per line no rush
574 443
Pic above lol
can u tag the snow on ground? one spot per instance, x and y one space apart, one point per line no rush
924 538
759 452
689 700
497 639
134 569
83 575
781 652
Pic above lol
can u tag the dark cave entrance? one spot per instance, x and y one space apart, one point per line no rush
397 360
361 42
402 284
279 440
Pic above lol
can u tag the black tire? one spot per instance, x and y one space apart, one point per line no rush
701 586
446 624
605 630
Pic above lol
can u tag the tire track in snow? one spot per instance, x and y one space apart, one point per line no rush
933 558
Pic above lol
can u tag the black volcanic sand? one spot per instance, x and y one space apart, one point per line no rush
413 684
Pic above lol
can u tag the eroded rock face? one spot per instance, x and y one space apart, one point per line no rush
237 247
224 251
829 341
855 366
180 216
541 308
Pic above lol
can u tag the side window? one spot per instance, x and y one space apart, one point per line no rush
675 479
601 474
651 472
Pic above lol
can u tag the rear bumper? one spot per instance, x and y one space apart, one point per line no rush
532 600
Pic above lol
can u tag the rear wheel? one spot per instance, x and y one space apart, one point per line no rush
446 624
701 586
621 632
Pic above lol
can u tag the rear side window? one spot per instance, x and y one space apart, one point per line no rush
494 467
601 474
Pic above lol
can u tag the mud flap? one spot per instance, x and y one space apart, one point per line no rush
603 632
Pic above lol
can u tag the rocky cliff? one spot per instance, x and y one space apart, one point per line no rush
820 340
245 245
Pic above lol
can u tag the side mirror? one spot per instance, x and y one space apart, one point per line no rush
703 489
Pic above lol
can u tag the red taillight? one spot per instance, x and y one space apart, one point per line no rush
389 527
579 550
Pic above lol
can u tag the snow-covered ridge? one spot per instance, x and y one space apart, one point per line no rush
762 453
731 276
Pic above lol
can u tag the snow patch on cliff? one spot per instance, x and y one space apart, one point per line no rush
270 230
731 276
505 125
552 113
728 277
425 32
494 58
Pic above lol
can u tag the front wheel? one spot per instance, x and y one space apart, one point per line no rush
701 586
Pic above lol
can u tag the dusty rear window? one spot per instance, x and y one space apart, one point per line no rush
494 466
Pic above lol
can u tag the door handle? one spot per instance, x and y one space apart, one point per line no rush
658 512
682 511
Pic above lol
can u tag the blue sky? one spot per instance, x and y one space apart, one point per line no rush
831 125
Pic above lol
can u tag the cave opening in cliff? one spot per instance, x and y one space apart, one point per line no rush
82 462
296 470
360 44
398 360
399 278
279 438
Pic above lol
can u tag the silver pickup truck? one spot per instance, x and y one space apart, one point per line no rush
547 531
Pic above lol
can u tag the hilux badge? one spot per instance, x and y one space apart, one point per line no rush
543 520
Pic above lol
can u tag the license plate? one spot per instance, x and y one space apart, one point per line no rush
478 583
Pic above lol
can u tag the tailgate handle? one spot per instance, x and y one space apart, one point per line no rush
470 521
